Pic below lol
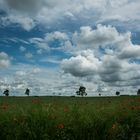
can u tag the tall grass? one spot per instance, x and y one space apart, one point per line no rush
65 118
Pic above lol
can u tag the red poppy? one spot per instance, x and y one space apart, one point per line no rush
133 108
36 101
113 126
138 99
4 106
66 109
60 126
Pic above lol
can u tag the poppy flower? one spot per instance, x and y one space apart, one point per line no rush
60 126
113 126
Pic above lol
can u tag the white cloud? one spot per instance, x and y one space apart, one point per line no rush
28 71
56 35
26 22
54 60
20 73
41 81
102 36
111 57
21 77
40 43
83 64
121 10
22 49
26 6
53 12
40 51
132 51
4 60
43 43
36 70
29 55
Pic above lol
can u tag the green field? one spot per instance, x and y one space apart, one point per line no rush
70 118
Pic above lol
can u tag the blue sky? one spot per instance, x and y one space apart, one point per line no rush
54 46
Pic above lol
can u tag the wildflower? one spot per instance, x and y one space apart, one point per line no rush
138 99
133 108
36 101
60 126
66 109
4 106
113 126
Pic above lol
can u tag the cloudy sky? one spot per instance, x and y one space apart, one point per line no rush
53 47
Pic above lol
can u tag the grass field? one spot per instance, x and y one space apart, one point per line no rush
69 118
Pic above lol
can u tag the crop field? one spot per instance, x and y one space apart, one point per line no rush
70 118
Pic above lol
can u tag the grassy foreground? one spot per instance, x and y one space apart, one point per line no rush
67 118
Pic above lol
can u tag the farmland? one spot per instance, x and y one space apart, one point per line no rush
70 118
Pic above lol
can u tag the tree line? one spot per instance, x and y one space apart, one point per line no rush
6 92
82 92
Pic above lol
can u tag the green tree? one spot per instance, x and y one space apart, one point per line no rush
6 92
117 93
138 92
81 91
27 92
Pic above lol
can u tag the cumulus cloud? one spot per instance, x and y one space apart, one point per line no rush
22 77
132 51
28 72
25 22
4 60
121 10
40 81
83 64
24 5
102 36
110 56
56 35
47 12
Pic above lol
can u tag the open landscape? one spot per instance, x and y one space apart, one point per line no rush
70 118
69 69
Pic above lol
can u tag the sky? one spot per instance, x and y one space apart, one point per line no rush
53 47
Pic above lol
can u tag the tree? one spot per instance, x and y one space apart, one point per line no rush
117 93
27 92
6 92
138 92
81 91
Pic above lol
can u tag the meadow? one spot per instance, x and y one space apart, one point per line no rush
70 118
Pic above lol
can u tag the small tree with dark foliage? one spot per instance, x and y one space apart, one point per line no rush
117 93
6 92
27 92
138 92
82 91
